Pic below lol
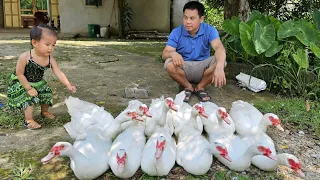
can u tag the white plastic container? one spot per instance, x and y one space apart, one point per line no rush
254 84
103 31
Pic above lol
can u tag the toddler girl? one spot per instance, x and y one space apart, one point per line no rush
26 85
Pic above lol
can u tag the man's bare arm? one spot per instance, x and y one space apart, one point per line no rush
170 52
219 78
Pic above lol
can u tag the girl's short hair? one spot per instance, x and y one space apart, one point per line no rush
36 31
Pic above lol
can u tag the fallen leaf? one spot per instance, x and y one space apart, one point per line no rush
307 106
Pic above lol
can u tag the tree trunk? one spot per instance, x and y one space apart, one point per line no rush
231 8
238 8
1 14
244 10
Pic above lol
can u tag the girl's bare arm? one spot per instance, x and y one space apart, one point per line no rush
57 72
21 65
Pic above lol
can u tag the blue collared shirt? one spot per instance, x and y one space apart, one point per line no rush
191 48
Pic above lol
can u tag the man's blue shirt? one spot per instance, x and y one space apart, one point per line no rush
195 48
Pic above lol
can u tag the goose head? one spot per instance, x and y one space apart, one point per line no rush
223 115
160 145
272 119
131 115
263 150
199 110
121 160
221 150
291 162
144 110
59 149
169 103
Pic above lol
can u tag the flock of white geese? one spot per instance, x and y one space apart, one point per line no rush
143 137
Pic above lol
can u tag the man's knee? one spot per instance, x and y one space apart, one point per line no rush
171 68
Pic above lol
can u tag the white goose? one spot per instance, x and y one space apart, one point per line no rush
249 120
85 161
285 159
83 115
241 154
159 154
126 151
267 164
140 108
219 121
159 108
194 152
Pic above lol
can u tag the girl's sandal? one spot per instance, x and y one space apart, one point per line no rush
32 124
48 115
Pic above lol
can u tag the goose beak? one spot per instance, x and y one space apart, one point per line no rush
120 167
148 114
174 107
279 127
48 157
139 118
204 114
272 157
227 157
158 153
227 120
301 174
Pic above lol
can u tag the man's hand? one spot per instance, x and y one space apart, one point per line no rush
219 78
177 59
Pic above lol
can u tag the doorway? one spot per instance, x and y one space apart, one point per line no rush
29 7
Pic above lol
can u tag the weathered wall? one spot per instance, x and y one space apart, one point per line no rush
1 14
151 15
177 13
75 15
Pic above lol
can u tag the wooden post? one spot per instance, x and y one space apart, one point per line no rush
119 17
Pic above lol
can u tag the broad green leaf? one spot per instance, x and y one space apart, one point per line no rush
274 49
316 18
276 23
287 29
256 15
301 58
232 38
263 37
315 49
246 36
306 32
231 26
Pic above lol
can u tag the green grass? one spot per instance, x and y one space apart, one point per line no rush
293 111
145 48
23 172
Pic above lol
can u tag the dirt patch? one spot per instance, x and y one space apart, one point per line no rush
101 74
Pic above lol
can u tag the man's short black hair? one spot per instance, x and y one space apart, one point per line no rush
192 5
36 31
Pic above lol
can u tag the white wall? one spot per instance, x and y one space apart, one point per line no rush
75 15
177 13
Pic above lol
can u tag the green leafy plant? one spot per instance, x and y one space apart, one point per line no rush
284 48
126 16
22 172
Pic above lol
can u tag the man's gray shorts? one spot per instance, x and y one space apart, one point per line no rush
194 69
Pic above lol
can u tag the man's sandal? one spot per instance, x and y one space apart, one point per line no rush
202 95
48 115
31 124
188 93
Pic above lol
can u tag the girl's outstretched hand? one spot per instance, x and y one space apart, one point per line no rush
33 92
72 88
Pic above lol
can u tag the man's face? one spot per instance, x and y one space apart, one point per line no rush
192 20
